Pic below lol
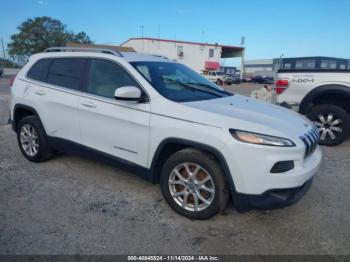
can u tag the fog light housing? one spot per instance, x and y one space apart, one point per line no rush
282 166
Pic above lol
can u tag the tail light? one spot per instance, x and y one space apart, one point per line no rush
281 85
12 80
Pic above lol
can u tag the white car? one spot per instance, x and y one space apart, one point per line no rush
219 77
166 123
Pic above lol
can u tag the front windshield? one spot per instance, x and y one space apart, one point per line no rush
178 83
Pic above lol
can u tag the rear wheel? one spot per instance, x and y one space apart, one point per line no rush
333 123
193 184
32 139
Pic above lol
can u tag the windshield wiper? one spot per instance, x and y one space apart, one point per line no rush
210 87
189 87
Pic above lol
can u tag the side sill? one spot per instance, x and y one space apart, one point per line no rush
69 147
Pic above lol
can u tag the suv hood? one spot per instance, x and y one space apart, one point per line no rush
240 112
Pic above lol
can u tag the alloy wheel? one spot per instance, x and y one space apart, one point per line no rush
29 140
191 186
329 126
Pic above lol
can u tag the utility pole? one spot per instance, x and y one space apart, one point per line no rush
3 48
142 30
275 69
242 56
158 36
280 61
143 41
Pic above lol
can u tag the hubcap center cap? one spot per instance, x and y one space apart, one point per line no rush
191 185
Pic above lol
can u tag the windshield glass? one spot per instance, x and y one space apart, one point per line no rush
178 83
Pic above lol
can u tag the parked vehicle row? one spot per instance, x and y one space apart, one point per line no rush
263 80
259 79
236 79
221 78
166 123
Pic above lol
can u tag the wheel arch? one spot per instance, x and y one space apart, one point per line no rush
21 111
336 94
171 145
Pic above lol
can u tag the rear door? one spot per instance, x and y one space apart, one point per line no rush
55 84
118 128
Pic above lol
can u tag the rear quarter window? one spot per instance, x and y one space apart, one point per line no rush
39 70
67 72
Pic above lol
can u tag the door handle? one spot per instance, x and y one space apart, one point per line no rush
40 92
89 104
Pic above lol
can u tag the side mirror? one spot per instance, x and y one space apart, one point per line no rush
128 93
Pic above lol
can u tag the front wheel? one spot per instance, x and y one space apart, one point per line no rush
193 184
219 82
333 123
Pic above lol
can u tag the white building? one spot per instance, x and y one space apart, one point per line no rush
198 56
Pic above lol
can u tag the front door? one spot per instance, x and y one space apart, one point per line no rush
118 128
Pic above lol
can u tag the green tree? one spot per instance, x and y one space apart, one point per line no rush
35 35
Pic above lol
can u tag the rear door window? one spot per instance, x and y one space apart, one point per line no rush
39 69
67 72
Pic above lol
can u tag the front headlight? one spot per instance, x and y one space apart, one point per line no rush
260 139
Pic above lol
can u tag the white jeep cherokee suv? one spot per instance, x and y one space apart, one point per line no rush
166 123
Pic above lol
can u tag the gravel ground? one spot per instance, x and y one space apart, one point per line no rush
73 205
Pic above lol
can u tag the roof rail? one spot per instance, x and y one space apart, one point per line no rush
83 49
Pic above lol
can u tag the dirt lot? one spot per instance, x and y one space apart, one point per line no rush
72 205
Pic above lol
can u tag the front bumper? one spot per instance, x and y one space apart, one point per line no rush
253 183
250 166
271 199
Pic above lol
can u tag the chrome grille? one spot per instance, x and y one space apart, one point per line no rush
310 140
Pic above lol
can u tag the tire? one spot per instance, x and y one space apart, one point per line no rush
333 123
216 191
31 135
219 82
